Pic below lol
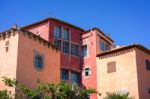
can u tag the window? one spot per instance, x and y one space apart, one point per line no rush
66 47
75 78
64 75
57 32
7 46
7 43
84 51
66 34
148 65
57 43
102 46
111 67
148 91
38 61
74 49
107 47
87 71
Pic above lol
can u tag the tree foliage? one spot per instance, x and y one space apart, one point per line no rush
61 90
4 94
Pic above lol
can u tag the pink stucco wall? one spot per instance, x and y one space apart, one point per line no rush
41 29
92 39
89 39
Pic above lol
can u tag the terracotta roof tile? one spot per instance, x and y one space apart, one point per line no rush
124 48
30 33
54 19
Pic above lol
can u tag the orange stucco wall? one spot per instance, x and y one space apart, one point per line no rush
26 71
143 74
8 60
125 77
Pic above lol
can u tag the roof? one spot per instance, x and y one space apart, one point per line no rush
63 22
53 19
142 48
45 42
100 32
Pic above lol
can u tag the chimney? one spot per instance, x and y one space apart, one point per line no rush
108 35
14 26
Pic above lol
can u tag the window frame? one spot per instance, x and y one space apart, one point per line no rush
56 32
111 67
87 71
73 77
7 44
147 62
57 44
64 49
66 78
64 35
102 46
74 49
36 53
148 90
87 52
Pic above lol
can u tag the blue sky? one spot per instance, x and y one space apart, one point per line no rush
127 21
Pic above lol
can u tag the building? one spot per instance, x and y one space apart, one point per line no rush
110 68
124 69
27 57
83 57
66 37
94 41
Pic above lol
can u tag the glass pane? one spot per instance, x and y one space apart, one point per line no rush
87 70
86 73
38 61
66 47
74 49
148 65
57 43
66 34
57 32
64 75
75 78
84 51
102 46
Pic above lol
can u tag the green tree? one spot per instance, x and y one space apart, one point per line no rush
61 90
4 94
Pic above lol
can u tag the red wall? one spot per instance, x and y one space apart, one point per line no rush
47 32
67 61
